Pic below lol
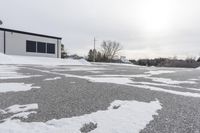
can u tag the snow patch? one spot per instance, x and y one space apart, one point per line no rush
170 81
126 76
15 87
124 81
158 72
194 89
194 79
130 117
145 85
23 115
128 82
110 80
50 79
20 108
187 94
95 72
19 111
76 68
10 72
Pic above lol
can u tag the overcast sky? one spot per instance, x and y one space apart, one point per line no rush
145 28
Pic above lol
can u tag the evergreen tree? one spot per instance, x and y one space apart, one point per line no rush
90 55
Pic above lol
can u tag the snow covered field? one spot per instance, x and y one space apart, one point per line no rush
39 96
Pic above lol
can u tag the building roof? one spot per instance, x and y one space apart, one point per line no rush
29 33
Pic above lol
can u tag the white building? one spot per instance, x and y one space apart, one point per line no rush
14 42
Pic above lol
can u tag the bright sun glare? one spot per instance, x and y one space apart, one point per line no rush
154 15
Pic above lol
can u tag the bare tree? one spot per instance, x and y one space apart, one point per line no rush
110 49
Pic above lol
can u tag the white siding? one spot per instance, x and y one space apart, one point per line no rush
1 41
16 44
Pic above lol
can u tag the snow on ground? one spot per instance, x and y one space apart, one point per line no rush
10 72
194 79
129 117
115 64
15 87
50 79
96 72
20 108
85 69
110 80
23 115
129 76
12 59
128 82
187 94
194 89
170 81
19 111
157 72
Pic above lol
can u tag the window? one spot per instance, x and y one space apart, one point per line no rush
30 46
50 48
41 47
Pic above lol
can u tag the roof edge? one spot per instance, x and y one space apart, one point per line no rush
29 33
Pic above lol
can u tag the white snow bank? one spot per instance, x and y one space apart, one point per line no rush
130 117
26 60
15 87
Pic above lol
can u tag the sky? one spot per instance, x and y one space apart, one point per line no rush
144 28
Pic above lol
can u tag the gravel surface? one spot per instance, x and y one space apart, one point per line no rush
70 96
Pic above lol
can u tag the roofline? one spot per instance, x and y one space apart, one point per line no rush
29 33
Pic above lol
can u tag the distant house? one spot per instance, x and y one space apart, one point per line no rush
14 42
124 60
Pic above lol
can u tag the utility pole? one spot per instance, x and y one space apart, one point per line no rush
94 50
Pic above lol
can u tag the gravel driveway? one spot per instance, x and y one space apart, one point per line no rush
69 91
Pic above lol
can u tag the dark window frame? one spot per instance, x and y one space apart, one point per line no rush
51 48
29 48
41 47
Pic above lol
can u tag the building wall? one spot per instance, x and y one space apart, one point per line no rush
1 41
16 44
